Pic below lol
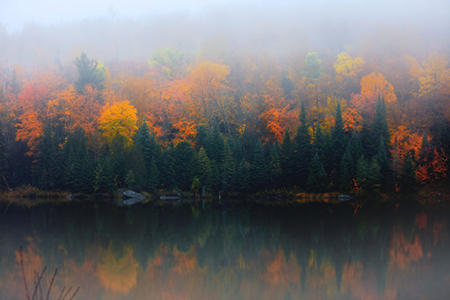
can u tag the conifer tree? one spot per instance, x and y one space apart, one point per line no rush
184 165
345 173
104 177
274 166
258 170
317 178
166 168
380 126
129 180
3 158
153 175
338 143
408 179
302 150
47 172
384 162
227 168
204 170
320 144
243 175
88 74
287 160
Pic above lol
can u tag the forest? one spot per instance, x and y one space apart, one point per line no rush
359 120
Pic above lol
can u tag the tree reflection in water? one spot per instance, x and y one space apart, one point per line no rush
307 251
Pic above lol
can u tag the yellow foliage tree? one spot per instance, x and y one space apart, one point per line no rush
346 66
434 75
119 119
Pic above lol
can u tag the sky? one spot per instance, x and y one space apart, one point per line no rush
14 14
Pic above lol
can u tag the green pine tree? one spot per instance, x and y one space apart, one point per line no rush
408 178
380 126
258 170
88 74
47 172
382 157
204 170
3 158
274 166
184 165
317 178
339 143
104 177
227 169
243 176
287 160
302 150
345 174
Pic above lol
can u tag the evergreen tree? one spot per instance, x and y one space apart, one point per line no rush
47 172
201 137
320 144
338 143
204 170
302 150
408 179
104 177
362 172
243 176
78 166
119 155
258 170
129 180
384 162
317 178
274 166
355 149
88 74
3 158
287 160
166 168
380 126
345 173
184 165
227 169
153 175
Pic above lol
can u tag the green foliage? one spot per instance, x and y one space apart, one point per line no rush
227 169
104 182
302 150
243 176
184 165
287 160
47 170
317 178
345 173
313 68
88 74
204 171
258 170
3 156
408 179
274 166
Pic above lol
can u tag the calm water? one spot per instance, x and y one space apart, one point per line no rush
191 251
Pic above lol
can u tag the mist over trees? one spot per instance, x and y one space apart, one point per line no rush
228 100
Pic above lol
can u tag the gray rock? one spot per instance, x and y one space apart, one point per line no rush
133 195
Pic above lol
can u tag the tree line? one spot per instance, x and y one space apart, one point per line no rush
207 127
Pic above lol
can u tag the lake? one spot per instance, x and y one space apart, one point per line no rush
196 250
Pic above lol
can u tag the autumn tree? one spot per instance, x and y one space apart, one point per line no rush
434 74
208 92
119 119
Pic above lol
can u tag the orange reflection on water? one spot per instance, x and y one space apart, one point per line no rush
118 274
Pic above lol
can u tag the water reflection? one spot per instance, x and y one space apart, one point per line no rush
312 251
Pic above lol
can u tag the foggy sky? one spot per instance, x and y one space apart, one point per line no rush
47 30
15 13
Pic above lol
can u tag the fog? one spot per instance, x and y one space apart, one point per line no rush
45 32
